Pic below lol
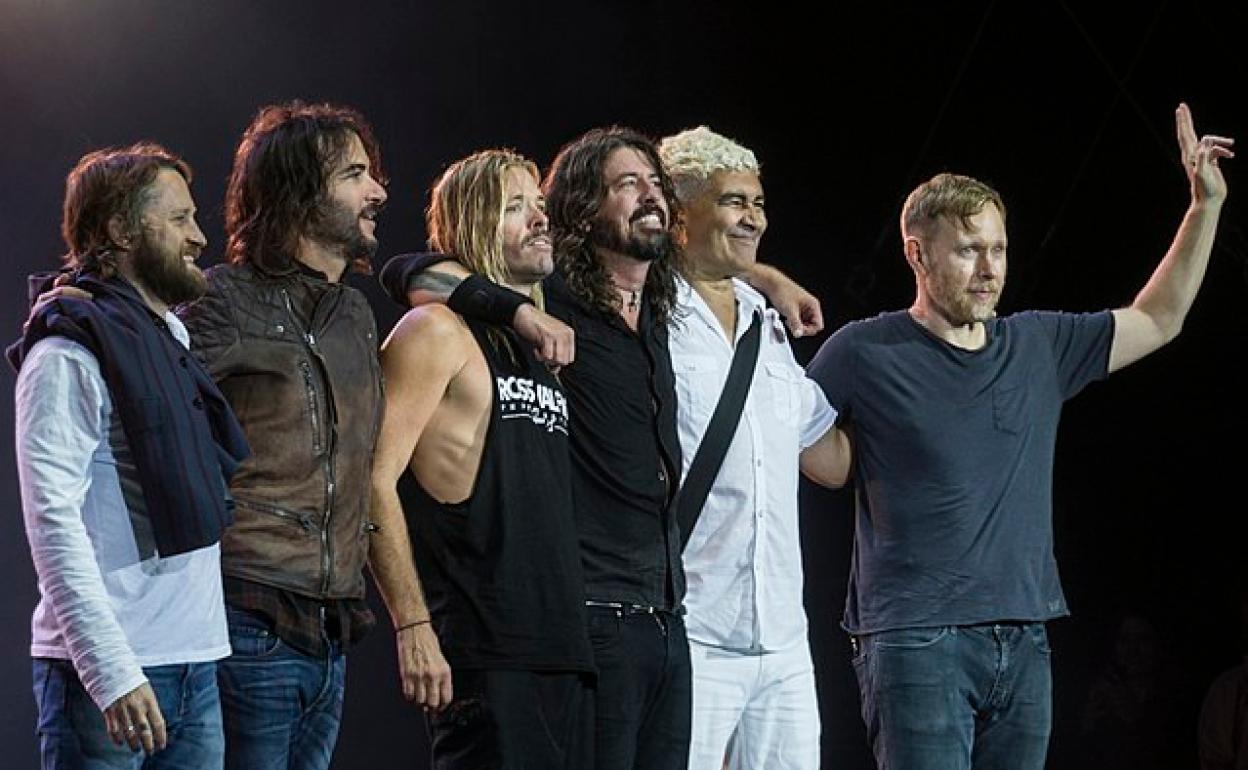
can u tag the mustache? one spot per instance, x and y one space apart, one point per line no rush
646 209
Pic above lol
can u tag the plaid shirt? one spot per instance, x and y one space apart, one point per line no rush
309 625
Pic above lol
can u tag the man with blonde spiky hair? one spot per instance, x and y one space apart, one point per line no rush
754 699
502 662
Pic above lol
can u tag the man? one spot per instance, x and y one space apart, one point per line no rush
483 426
954 414
294 350
609 203
124 446
754 694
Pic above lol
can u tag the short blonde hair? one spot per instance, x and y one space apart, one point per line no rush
693 155
952 197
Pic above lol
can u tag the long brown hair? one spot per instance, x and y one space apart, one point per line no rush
574 190
280 176
104 184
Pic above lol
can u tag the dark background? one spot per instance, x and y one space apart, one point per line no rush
1067 110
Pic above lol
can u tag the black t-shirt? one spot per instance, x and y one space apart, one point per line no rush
503 576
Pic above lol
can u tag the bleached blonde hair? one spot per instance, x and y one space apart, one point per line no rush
693 155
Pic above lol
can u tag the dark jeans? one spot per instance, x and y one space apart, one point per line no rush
957 697
72 735
643 705
282 708
515 720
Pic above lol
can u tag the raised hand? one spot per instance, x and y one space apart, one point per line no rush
1200 157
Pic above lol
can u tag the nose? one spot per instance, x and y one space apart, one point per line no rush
538 220
377 193
754 217
196 236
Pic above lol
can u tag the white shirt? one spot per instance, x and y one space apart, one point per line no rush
743 561
108 601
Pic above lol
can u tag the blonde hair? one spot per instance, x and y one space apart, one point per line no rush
466 205
693 155
949 197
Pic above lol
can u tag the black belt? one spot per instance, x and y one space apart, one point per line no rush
626 608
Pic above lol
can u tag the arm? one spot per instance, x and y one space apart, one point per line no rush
421 279
1156 316
801 310
423 354
59 397
829 461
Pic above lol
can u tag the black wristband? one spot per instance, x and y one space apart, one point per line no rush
483 300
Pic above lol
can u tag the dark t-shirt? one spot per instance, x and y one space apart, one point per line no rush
953 458
504 580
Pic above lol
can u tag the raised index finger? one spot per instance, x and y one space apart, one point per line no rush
1186 131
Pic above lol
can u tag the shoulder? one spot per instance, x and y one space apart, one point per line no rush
54 360
428 325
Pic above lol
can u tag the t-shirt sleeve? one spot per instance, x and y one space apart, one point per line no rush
832 368
1080 344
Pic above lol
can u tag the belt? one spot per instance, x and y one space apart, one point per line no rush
626 608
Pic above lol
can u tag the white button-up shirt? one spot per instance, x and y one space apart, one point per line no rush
743 561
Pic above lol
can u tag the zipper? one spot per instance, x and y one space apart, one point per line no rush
302 519
309 341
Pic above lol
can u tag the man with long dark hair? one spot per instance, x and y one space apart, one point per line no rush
124 447
294 350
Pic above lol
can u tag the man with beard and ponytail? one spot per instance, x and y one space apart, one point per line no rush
295 352
610 207
124 449
483 427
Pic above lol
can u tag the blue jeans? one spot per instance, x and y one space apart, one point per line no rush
71 728
282 708
957 697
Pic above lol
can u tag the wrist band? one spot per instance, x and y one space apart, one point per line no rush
482 299
413 624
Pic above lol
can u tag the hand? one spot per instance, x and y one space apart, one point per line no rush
135 719
553 341
51 295
423 672
1200 157
802 312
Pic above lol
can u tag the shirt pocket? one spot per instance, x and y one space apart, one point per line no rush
1009 408
696 393
785 384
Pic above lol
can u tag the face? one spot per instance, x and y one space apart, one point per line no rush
169 241
526 243
724 225
963 269
633 217
346 220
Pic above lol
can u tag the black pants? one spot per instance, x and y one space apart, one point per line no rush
643 704
515 720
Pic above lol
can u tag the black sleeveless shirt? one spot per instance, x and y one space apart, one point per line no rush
502 569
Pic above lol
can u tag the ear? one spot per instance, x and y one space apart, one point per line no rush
119 232
914 254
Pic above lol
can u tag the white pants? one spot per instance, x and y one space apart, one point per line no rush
758 711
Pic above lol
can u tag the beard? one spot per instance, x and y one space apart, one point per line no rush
649 248
166 275
336 226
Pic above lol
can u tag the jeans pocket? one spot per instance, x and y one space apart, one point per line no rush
910 638
1039 637
250 637
604 627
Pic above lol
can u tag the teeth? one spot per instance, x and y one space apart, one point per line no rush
650 219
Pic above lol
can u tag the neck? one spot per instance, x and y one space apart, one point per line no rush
154 303
331 262
719 295
628 276
968 336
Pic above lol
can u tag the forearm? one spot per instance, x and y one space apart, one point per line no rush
1170 291
390 560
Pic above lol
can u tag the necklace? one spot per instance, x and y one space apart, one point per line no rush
634 296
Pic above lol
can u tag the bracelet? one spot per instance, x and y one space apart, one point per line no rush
413 624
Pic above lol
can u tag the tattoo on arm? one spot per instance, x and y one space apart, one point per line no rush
439 284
